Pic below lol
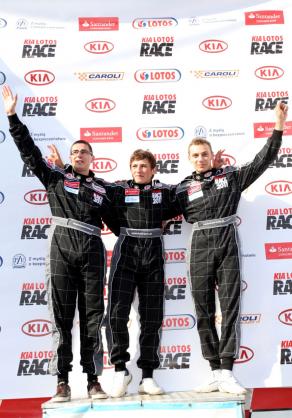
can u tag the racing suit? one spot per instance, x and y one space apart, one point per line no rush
138 262
76 263
209 201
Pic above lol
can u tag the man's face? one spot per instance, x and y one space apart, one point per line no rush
201 157
81 158
142 172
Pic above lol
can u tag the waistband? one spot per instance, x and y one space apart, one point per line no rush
214 223
141 233
74 224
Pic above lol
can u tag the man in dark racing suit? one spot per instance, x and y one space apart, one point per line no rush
209 199
76 264
140 206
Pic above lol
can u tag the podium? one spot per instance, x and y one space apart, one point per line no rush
169 405
271 403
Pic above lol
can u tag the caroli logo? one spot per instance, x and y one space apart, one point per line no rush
217 102
157 76
268 72
178 322
245 354
103 165
99 47
154 22
286 317
279 187
37 197
228 159
39 77
100 105
213 46
159 134
37 328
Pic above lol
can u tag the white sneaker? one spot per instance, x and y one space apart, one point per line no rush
150 387
229 384
212 385
120 384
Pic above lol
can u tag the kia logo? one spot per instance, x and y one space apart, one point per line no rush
217 102
228 159
39 77
2 77
100 105
245 355
99 47
243 285
36 197
213 46
269 72
1 197
103 165
37 328
286 317
279 187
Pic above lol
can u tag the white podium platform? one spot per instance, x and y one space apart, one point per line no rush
173 404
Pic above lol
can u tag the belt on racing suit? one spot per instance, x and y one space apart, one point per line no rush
214 223
141 233
74 224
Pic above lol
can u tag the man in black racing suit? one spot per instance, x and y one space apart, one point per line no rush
140 206
209 199
76 263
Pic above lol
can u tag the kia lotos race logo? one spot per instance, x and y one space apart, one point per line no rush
279 218
37 328
269 72
33 294
157 76
159 104
178 322
40 106
286 352
103 165
278 250
175 288
174 357
268 100
39 77
39 48
285 317
35 228
99 47
160 133
266 45
34 363
160 46
279 187
100 105
245 354
98 23
154 22
282 283
217 102
213 46
167 163
264 17
173 226
37 197
283 159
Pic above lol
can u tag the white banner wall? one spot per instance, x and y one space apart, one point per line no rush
127 75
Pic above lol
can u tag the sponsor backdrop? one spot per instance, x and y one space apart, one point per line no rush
150 75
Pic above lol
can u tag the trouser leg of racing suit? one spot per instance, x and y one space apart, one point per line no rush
214 261
76 266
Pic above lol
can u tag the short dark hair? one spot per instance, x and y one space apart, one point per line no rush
199 141
141 154
82 141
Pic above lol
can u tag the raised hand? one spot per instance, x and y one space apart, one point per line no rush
9 100
55 157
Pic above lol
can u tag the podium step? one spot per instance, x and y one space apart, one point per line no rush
169 405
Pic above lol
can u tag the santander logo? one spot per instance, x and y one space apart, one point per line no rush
99 47
39 77
279 187
217 102
269 72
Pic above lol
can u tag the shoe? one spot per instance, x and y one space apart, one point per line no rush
212 385
95 391
229 384
63 393
148 386
120 384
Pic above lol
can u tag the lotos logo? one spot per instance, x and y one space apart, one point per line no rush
286 317
228 159
217 102
37 197
100 105
213 46
37 328
158 134
39 77
157 76
279 187
103 165
154 22
268 72
177 255
99 47
245 354
178 322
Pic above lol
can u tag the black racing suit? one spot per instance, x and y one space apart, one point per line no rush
209 201
76 263
138 263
